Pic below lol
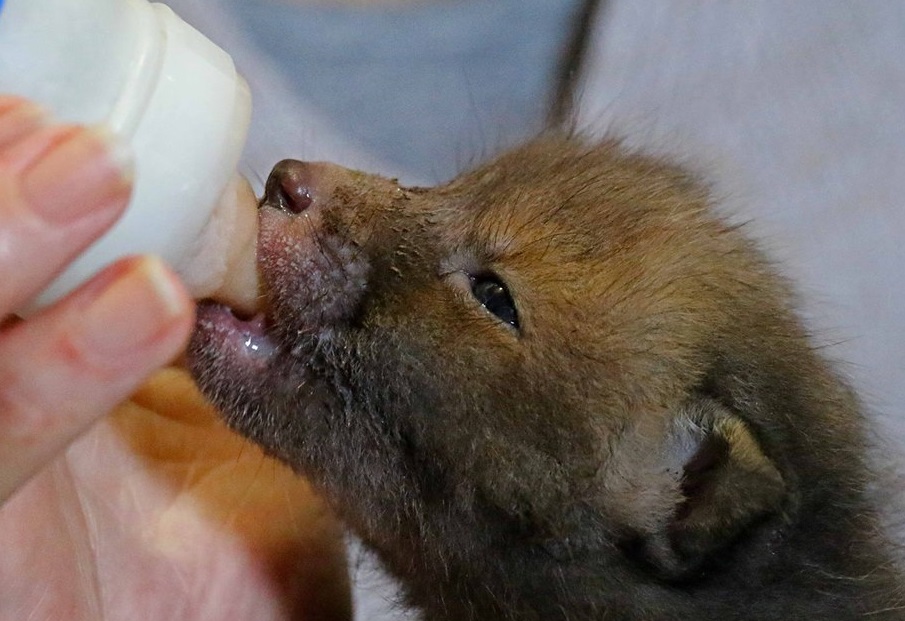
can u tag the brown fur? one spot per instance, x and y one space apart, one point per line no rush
656 439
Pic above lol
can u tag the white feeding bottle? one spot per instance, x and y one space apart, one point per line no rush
138 70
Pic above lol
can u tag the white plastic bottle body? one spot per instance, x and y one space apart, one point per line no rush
155 82
50 51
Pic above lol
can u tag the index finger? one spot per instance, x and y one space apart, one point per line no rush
61 187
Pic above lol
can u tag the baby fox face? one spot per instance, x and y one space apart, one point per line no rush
561 361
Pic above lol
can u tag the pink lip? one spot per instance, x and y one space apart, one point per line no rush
247 338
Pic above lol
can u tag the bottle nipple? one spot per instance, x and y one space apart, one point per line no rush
224 265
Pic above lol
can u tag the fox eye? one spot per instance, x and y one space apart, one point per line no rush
490 291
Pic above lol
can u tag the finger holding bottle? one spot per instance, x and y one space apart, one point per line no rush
61 187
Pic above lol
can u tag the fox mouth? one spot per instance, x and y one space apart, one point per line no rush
245 339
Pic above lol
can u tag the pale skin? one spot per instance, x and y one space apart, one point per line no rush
155 511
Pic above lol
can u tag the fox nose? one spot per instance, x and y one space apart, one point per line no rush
290 187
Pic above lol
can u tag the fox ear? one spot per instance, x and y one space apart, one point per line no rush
722 485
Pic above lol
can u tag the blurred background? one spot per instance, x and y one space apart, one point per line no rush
794 110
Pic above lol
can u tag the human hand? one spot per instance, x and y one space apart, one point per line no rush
61 187
156 512
160 513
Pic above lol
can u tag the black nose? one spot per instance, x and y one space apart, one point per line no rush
289 187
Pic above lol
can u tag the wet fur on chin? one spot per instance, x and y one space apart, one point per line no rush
655 439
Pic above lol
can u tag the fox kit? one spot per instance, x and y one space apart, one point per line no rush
556 388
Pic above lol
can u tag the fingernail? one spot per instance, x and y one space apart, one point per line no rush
87 171
134 310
